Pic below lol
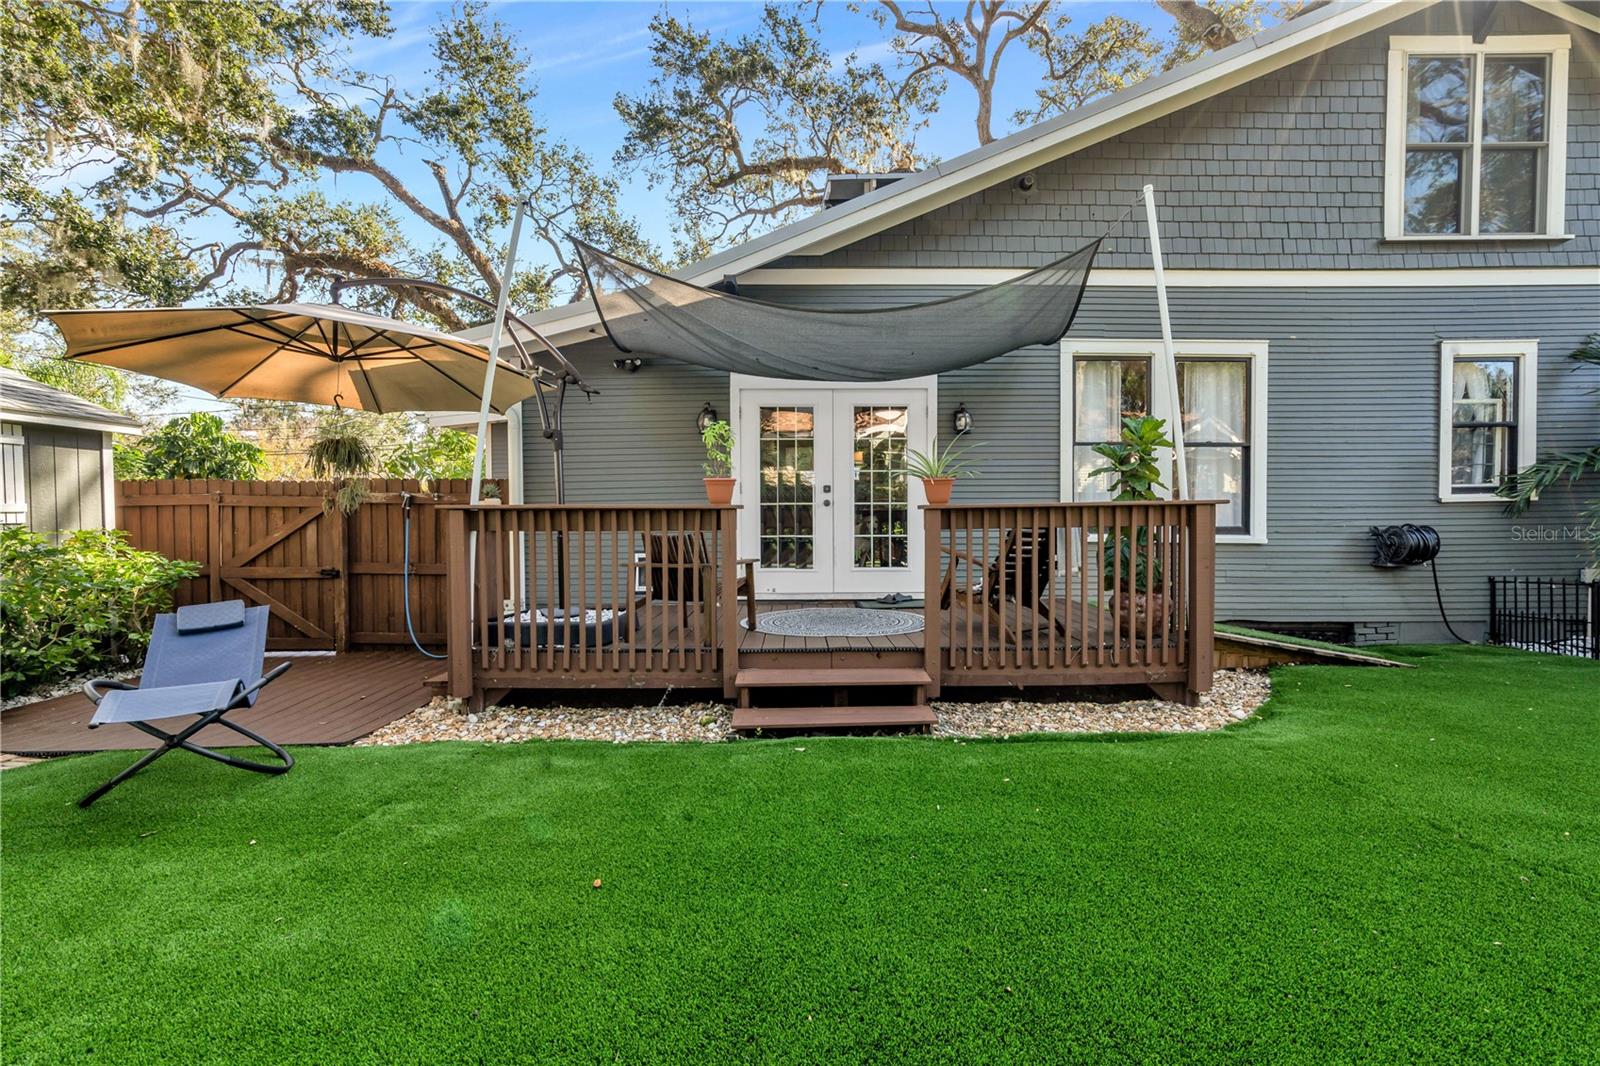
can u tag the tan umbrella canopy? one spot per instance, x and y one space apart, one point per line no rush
309 353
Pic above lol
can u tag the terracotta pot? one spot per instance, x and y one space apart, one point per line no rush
938 489
719 491
1141 604
487 500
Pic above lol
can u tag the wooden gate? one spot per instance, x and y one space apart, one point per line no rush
330 580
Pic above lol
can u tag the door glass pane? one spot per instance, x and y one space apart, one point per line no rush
1211 394
788 487
879 510
1510 199
1433 191
1438 99
1513 99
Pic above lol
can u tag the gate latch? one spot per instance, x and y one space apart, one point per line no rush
329 571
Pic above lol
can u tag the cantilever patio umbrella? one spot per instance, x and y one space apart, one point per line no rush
310 353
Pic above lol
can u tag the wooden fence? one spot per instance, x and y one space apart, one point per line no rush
1092 594
331 580
579 596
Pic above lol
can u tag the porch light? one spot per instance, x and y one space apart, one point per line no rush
963 419
708 415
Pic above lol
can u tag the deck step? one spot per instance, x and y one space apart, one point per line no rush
750 718
781 677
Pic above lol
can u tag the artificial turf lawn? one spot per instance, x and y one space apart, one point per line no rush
1388 866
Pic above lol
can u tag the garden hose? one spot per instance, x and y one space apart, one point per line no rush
405 574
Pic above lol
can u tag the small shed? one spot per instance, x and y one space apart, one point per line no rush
55 457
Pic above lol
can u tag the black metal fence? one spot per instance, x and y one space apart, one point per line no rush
1545 614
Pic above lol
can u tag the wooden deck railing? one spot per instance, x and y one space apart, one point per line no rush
579 596
1091 593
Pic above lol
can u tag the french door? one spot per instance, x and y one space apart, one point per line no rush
829 510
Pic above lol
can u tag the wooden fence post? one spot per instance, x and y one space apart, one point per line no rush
932 609
458 579
1202 597
728 539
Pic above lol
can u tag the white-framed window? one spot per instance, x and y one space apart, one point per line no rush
1222 387
1487 415
1476 138
13 475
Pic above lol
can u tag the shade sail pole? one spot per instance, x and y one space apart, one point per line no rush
494 357
1169 358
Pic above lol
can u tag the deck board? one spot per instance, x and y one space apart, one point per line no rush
321 700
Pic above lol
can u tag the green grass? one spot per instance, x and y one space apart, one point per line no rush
1388 866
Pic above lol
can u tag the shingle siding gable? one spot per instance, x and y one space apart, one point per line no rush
1283 173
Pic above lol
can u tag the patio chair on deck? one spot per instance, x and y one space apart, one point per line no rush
1020 573
678 568
204 660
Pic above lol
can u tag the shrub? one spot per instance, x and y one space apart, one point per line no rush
195 446
85 604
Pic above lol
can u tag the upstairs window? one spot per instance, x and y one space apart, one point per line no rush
1486 418
1477 137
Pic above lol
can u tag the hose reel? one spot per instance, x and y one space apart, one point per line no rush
1403 545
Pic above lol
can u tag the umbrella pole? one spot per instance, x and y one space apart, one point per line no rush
1169 359
494 355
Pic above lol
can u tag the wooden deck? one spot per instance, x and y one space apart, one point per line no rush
330 699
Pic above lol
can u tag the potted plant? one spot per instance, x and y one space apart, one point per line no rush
718 439
1126 561
488 492
939 469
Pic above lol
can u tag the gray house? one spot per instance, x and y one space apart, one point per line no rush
1382 235
55 457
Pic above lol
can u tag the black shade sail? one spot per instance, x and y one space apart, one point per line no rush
650 313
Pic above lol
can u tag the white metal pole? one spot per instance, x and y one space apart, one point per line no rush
1169 357
494 356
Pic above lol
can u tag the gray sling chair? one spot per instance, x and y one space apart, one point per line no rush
204 660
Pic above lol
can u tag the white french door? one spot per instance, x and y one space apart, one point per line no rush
829 510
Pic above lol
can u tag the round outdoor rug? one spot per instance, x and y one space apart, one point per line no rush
837 622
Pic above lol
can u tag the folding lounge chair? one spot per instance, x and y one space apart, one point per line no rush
204 660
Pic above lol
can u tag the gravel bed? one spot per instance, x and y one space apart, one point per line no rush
60 688
1234 696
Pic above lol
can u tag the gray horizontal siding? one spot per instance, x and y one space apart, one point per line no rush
64 483
633 443
1353 435
1282 173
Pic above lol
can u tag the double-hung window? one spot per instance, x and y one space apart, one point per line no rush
1476 143
1222 397
1486 415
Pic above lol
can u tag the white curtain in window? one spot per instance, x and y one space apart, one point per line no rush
1472 457
1098 390
1213 400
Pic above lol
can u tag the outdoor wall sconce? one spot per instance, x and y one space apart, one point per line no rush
963 419
630 365
708 415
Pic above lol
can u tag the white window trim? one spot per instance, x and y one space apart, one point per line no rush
1526 352
1255 351
1558 47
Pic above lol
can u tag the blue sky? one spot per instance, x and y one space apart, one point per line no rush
585 53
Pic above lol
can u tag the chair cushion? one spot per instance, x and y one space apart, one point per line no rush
149 704
205 617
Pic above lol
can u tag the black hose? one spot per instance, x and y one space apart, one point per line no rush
1433 565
